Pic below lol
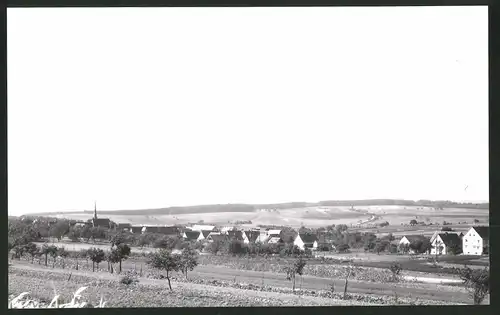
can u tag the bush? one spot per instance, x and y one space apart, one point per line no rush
396 270
343 248
128 280
477 282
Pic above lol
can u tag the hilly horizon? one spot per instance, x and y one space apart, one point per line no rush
240 207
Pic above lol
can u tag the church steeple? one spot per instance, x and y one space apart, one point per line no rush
95 210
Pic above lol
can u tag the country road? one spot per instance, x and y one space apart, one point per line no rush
422 291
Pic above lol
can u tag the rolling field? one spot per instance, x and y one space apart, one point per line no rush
310 216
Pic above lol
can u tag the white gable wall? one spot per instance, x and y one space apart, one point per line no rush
298 241
472 243
435 250
404 240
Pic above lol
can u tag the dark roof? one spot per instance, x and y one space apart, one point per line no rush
450 238
167 230
101 222
124 225
252 235
136 229
308 238
206 233
275 239
414 238
483 231
238 235
192 235
218 237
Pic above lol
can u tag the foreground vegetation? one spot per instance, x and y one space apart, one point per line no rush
187 292
150 294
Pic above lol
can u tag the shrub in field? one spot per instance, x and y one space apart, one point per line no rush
63 253
343 248
128 280
380 246
477 282
393 249
396 270
53 252
164 260
215 247
32 250
404 248
236 247
296 268
455 249
291 250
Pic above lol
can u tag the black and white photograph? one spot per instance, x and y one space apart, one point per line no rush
247 156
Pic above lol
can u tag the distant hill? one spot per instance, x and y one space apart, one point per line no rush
254 207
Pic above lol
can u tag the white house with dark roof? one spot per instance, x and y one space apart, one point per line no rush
199 227
442 243
306 240
476 241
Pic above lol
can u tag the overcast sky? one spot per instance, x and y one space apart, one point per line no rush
149 107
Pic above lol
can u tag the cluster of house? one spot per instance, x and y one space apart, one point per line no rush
474 242
211 233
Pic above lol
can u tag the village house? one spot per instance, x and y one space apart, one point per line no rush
165 230
81 224
136 229
406 240
274 240
100 222
192 235
251 236
306 240
226 229
476 241
460 234
217 237
262 236
204 235
443 243
199 227
324 244
237 235
123 227
273 237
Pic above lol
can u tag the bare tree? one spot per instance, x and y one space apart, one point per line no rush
349 273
